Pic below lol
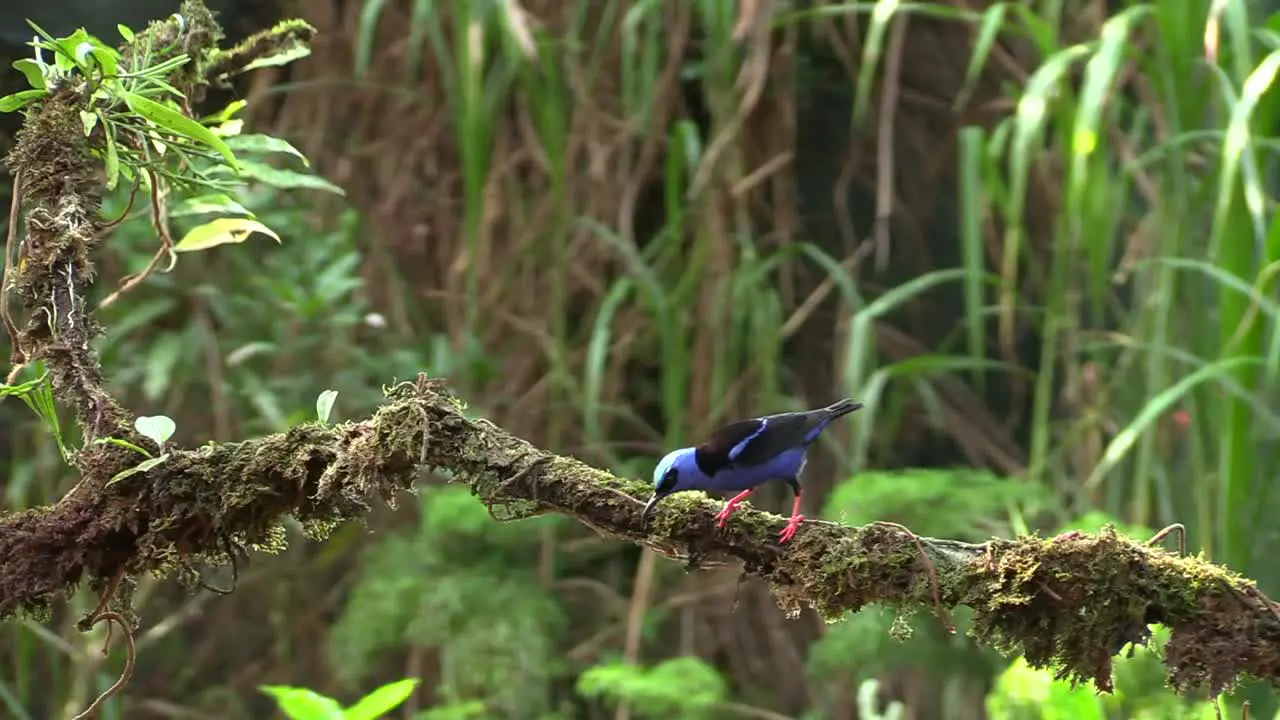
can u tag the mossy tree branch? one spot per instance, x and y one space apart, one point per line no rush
1074 600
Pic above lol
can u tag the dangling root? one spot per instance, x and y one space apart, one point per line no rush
17 357
1182 537
100 614
159 217
129 657
939 610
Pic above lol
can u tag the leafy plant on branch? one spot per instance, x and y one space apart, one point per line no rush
142 126
129 109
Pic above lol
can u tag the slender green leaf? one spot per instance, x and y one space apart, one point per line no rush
286 179
141 467
304 704
175 122
381 701
219 203
265 144
124 444
1124 441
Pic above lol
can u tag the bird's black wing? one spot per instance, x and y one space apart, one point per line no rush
717 452
756 441
780 433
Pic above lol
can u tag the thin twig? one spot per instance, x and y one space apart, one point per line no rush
12 377
107 593
522 474
752 78
99 614
1182 537
884 141
133 194
643 586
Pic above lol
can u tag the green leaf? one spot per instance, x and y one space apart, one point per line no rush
177 123
229 130
207 204
286 179
125 32
33 71
41 32
221 232
89 121
102 56
304 704
24 388
141 467
124 444
108 58
157 427
65 47
225 113
20 99
1123 441
324 405
113 160
383 700
258 143
286 56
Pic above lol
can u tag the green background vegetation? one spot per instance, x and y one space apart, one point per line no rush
1037 239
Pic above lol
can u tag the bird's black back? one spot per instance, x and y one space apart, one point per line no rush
769 436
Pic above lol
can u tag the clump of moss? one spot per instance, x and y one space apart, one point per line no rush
1074 601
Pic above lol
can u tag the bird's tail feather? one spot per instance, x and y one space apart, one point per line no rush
843 407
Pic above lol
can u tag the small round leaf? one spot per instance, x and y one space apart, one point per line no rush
157 427
324 405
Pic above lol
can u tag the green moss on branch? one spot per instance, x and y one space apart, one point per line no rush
1071 601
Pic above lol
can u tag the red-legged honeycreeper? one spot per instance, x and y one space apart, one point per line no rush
743 456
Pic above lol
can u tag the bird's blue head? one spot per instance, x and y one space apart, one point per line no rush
677 471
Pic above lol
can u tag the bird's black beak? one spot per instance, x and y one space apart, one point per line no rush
650 506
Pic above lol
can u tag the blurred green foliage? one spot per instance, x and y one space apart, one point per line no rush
265 316
1021 693
304 704
464 587
682 687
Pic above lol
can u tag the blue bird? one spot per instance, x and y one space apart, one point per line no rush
744 455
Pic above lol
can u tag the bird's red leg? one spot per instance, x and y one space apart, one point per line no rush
723 516
793 524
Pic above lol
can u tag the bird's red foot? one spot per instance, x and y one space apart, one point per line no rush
789 531
723 516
